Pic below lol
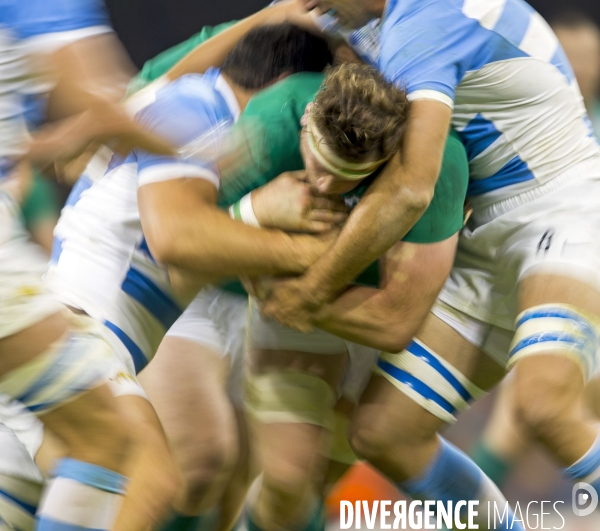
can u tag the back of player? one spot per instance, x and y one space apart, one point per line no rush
517 105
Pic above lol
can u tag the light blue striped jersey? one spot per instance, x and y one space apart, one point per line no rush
35 26
517 106
101 262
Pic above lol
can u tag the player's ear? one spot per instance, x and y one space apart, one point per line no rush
304 119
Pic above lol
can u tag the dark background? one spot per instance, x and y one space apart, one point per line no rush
148 27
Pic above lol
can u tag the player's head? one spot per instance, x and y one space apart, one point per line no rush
580 38
269 53
349 13
355 125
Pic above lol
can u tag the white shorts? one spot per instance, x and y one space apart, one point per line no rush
29 430
552 229
24 300
266 333
21 435
217 318
19 499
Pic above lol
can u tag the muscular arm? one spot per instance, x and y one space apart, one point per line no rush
185 228
389 317
90 75
392 205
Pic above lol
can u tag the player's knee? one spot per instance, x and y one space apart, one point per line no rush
543 405
286 476
209 463
369 437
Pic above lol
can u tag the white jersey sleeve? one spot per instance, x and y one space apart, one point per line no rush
46 25
186 114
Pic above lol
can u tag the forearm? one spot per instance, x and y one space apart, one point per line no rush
218 246
213 52
382 218
368 316
391 206
89 72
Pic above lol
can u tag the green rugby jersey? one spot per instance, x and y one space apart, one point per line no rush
272 117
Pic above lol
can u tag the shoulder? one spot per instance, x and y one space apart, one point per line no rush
289 96
32 18
455 165
182 110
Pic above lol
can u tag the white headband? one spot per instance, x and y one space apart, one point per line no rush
352 171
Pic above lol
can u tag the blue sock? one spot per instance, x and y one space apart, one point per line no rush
81 496
587 469
453 476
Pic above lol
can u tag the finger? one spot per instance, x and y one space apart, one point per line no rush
326 203
317 227
333 218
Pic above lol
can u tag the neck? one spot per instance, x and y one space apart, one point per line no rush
241 95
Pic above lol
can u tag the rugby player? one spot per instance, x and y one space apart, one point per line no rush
147 212
53 367
354 126
523 292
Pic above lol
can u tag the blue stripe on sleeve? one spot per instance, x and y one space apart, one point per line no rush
41 17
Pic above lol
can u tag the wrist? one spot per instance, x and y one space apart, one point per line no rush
243 211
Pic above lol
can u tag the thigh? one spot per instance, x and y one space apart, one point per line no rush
384 407
186 384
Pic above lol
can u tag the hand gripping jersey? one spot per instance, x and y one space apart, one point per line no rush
517 106
101 261
34 26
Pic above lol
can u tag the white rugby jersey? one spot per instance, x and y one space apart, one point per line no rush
101 262
517 106
32 26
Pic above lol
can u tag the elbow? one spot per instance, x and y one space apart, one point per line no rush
417 201
163 251
394 343
164 248
393 337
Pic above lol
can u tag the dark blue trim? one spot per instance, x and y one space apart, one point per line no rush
421 388
139 360
139 287
31 509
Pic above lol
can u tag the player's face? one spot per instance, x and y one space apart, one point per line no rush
325 182
349 13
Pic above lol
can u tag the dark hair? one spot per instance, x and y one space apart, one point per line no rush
360 113
267 52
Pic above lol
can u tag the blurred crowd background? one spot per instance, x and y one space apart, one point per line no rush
148 27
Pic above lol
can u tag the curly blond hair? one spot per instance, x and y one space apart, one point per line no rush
360 114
